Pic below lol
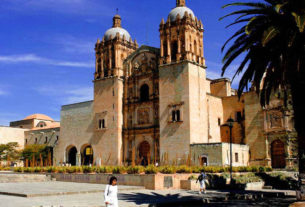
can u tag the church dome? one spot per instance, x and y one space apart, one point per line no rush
116 28
181 11
38 116
111 33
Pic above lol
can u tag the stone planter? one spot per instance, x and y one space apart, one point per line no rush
254 186
189 185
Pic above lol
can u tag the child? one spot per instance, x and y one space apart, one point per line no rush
111 193
201 179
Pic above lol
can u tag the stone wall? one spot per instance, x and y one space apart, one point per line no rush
182 86
215 118
218 154
151 182
76 130
44 136
10 134
108 105
254 129
221 87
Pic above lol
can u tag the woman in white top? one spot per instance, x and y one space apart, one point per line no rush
111 193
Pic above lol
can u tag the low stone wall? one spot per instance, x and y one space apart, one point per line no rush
189 185
18 177
152 182
254 186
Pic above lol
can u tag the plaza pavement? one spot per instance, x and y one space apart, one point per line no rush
84 195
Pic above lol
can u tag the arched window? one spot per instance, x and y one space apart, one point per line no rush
144 93
174 51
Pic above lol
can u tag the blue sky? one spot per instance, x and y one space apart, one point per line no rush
47 47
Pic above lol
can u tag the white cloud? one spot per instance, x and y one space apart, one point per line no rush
67 94
2 92
73 44
32 58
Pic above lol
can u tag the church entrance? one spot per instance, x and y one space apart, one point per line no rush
72 156
278 154
87 155
144 153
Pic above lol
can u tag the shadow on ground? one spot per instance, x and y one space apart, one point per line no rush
219 199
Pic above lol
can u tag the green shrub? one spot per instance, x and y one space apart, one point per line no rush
195 169
279 180
71 169
62 169
101 169
135 170
247 178
119 170
151 169
87 169
18 169
183 169
78 169
37 169
108 169
168 169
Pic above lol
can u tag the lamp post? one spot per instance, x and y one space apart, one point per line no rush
230 123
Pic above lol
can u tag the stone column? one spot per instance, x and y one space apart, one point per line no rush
161 48
268 159
179 49
110 60
168 58
78 159
102 65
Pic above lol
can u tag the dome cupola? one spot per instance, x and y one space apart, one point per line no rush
180 9
181 36
116 28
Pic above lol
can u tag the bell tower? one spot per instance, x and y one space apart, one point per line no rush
182 83
181 36
112 50
115 47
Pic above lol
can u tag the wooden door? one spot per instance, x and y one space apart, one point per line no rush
278 154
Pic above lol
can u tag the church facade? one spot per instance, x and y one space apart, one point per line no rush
156 105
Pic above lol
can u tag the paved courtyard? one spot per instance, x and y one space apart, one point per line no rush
55 188
91 195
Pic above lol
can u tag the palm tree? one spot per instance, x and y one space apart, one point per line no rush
271 43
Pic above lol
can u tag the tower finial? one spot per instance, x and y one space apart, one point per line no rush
117 19
180 3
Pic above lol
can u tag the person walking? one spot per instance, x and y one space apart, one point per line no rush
111 193
201 178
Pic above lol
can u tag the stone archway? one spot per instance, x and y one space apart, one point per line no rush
144 153
278 154
72 152
87 155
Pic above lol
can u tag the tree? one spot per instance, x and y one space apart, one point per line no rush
36 153
271 43
9 151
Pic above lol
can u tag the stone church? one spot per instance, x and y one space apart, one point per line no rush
156 105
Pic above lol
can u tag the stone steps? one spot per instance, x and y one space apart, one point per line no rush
16 178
